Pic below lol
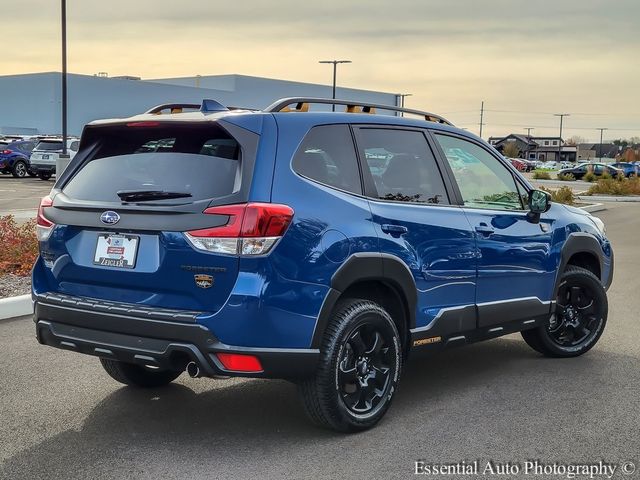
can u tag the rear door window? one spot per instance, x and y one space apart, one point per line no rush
202 161
327 155
402 165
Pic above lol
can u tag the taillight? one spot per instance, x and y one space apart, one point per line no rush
44 227
251 229
6 152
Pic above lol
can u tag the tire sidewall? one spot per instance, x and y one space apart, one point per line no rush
17 165
572 351
372 314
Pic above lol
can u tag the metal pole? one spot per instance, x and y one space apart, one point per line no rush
335 67
600 146
481 117
64 76
561 115
528 129
402 97
333 95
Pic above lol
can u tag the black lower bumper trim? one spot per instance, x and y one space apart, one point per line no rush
157 343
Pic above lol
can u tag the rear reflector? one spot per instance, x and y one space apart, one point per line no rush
238 362
251 229
44 226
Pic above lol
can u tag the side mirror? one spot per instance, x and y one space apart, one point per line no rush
539 201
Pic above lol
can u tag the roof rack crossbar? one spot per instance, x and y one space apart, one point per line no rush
283 104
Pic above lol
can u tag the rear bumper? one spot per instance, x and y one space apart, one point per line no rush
43 168
143 338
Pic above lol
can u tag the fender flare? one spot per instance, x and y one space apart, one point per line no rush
359 267
579 242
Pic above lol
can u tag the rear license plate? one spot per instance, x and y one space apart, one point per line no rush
45 157
115 250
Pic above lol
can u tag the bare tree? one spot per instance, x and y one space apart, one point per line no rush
510 150
575 140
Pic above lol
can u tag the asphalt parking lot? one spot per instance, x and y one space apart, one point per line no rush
63 417
21 196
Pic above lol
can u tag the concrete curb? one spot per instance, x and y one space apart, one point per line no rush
608 198
15 306
595 207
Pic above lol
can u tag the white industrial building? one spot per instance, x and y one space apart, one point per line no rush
31 103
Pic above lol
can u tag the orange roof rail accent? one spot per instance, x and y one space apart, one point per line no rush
360 109
300 107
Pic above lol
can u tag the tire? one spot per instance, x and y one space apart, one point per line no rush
580 318
44 176
358 371
137 376
20 169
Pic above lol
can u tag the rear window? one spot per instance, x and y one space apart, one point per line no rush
203 161
49 146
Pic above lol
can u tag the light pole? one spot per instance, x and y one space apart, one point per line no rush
402 97
600 146
528 129
561 115
64 77
335 67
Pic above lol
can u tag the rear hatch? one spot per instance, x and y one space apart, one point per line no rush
121 211
46 152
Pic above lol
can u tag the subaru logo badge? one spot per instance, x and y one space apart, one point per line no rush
110 217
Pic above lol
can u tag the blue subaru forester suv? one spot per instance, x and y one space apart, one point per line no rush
313 246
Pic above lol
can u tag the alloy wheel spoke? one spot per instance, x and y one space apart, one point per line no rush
357 343
574 295
377 344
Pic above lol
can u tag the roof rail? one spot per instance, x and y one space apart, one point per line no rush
302 105
206 106
174 107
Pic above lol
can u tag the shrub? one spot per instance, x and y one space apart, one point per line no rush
566 177
589 177
610 186
19 246
541 175
562 195
606 176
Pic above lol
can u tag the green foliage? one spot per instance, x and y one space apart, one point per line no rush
541 175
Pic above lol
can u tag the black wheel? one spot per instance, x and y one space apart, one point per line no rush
579 320
20 169
138 376
358 371
44 176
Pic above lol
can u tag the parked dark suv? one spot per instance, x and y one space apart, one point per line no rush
319 247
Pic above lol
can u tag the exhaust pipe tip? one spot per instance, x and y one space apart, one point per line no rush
193 370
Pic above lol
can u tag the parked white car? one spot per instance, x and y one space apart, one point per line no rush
45 155
551 164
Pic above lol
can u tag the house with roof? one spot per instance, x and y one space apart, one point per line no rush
591 151
537 148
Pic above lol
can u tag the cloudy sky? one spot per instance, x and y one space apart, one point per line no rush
526 59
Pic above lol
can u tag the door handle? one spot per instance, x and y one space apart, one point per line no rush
484 229
394 230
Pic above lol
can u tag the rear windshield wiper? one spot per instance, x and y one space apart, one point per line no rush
136 195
